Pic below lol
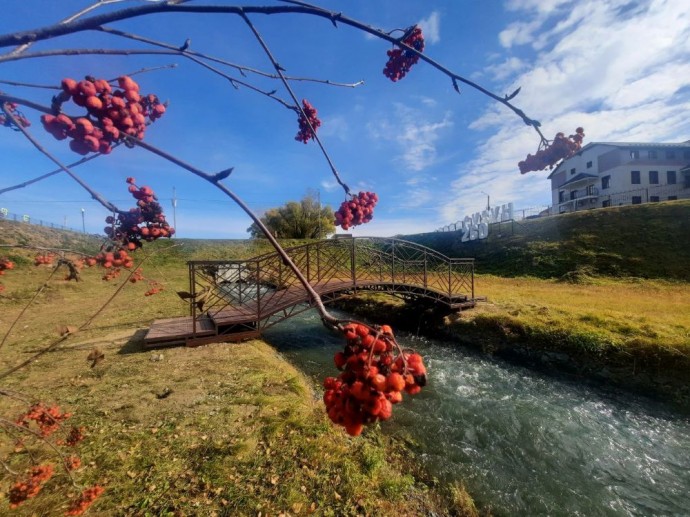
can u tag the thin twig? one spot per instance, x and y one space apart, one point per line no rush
279 71
95 195
46 441
30 85
147 70
241 68
325 315
62 339
21 313
133 270
86 52
78 14
56 171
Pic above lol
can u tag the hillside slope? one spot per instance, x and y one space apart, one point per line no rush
648 241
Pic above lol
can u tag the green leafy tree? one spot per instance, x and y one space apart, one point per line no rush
304 219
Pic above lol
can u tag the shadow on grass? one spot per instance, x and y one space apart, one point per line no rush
135 344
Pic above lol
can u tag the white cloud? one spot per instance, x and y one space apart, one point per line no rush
415 135
620 70
506 68
431 28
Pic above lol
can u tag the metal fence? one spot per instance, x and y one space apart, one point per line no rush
6 215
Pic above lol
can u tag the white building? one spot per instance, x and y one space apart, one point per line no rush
605 174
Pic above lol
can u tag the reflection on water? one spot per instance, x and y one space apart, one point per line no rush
524 443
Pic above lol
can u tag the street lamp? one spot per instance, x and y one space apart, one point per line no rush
488 205
83 223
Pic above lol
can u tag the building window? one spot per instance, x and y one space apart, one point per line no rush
653 177
637 200
606 203
670 154
635 154
671 177
672 198
561 196
589 165
635 177
573 194
605 182
654 199
572 171
651 154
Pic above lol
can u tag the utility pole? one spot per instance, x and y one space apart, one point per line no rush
488 205
174 207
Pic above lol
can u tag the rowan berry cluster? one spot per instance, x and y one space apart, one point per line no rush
145 222
127 231
47 418
72 463
400 60
154 288
76 435
5 264
561 148
358 210
307 119
111 114
45 259
23 490
372 379
7 121
86 499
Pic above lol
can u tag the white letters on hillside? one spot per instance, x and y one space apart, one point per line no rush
476 226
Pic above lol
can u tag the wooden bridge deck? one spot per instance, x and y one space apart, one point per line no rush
245 297
237 322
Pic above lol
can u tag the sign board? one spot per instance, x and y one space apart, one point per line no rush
476 226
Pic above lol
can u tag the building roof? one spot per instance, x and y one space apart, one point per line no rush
667 145
579 177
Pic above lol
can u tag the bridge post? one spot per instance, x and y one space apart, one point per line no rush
318 263
308 274
258 293
192 291
352 263
450 266
393 263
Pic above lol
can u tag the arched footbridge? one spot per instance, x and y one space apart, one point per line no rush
231 300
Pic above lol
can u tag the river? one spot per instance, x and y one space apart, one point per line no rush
525 443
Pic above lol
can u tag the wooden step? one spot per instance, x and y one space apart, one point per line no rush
178 330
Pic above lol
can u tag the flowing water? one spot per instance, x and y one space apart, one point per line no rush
525 443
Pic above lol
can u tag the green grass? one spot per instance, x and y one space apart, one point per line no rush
647 241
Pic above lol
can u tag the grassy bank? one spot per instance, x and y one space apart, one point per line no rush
227 429
646 241
631 332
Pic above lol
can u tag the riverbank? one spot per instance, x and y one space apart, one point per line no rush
631 333
224 429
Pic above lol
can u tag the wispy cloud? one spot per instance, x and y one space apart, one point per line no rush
414 134
431 28
618 69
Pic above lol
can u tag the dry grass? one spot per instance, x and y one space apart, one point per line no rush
622 313
240 431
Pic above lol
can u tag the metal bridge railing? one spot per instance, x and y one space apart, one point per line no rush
251 285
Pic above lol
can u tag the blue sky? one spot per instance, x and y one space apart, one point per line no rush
620 69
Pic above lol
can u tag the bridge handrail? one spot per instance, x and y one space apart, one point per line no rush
272 254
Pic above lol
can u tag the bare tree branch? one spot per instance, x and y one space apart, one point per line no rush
95 195
279 71
241 68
